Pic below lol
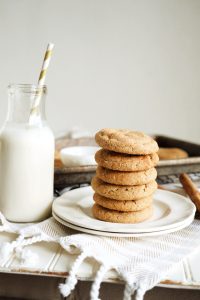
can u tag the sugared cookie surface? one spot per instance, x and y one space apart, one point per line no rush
125 162
126 141
123 192
125 205
126 178
115 216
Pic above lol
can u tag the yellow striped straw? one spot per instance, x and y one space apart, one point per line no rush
42 77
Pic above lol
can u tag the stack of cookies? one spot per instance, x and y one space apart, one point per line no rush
125 178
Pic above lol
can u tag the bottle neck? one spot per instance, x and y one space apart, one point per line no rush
21 99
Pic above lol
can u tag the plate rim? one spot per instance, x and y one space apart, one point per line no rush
118 234
131 230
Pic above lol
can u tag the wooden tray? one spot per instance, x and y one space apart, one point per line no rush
176 166
65 176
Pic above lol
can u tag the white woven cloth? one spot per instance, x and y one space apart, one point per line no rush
140 262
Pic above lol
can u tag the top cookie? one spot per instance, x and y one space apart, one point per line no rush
126 141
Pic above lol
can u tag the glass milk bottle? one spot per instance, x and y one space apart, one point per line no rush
26 158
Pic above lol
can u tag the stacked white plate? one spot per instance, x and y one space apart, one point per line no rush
172 212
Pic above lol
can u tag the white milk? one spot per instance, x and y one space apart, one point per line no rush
26 172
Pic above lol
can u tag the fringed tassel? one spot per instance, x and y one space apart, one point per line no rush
131 289
25 256
139 294
6 250
128 291
9 248
69 285
94 293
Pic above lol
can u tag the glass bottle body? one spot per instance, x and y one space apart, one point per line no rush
26 159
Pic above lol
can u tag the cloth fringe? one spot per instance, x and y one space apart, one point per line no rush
140 262
94 293
25 256
71 281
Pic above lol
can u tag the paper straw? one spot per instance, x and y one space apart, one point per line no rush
42 78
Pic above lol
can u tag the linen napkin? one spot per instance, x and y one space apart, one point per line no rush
140 262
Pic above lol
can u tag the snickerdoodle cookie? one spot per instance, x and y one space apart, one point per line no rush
123 192
115 216
172 153
126 178
126 141
125 162
123 205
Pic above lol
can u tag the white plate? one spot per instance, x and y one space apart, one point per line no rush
170 211
113 234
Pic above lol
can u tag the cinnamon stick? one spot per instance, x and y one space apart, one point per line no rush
191 189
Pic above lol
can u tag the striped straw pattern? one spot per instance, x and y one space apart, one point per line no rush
45 64
42 77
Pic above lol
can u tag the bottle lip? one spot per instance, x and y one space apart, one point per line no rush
27 88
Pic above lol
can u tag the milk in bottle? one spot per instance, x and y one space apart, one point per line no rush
26 158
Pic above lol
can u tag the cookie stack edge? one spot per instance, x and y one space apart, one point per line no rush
125 179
